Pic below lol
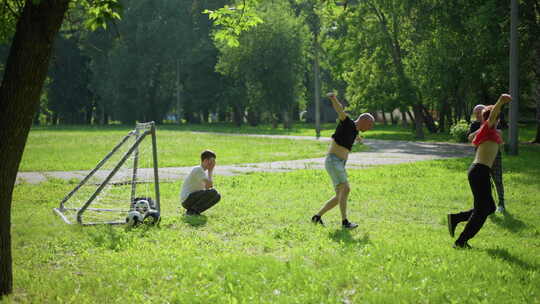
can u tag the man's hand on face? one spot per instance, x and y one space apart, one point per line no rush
211 164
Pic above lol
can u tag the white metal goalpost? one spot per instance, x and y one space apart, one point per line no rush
108 192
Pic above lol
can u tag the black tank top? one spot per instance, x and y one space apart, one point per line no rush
345 133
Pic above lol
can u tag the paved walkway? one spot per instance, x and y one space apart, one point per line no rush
382 152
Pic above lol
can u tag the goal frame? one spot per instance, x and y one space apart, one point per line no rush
149 130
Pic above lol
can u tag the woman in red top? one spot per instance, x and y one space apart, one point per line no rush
487 141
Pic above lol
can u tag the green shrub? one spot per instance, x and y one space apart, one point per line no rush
460 131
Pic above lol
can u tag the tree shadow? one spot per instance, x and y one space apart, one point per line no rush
509 222
343 236
503 254
195 220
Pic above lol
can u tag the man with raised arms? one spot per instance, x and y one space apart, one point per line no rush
342 141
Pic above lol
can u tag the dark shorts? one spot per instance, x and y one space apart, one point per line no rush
200 201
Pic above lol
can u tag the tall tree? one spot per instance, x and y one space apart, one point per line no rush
269 60
26 68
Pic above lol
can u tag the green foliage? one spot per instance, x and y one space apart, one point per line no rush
99 13
460 131
231 21
269 61
257 245
69 96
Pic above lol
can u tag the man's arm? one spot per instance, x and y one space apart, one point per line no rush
494 115
337 106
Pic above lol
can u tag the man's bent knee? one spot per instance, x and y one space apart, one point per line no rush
343 187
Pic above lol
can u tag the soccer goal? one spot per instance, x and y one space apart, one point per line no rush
127 173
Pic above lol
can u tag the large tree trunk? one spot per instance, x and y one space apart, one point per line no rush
418 121
404 119
25 72
537 137
238 115
428 120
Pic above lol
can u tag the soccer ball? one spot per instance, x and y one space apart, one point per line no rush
152 217
134 218
142 206
149 200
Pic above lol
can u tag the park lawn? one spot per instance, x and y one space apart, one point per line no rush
380 131
257 245
82 147
79 148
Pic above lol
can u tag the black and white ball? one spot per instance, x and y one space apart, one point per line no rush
152 217
142 206
134 218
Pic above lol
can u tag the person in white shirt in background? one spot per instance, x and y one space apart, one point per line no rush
198 193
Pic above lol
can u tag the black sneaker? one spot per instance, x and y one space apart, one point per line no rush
349 225
462 245
451 225
316 219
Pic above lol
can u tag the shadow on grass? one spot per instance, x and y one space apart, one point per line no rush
508 222
195 220
504 255
344 236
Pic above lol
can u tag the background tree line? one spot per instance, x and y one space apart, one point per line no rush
431 60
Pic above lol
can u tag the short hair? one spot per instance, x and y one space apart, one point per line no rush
478 107
366 116
207 154
486 112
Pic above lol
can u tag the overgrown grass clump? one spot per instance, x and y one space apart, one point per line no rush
257 245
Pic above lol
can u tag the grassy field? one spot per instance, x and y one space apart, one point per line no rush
380 131
257 245
76 148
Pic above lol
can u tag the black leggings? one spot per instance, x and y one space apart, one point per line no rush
479 180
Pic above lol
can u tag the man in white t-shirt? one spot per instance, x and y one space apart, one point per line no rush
198 193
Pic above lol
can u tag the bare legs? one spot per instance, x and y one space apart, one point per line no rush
342 194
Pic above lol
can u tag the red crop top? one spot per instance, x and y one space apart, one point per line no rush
487 134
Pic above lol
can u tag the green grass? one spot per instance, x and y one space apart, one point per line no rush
77 148
257 245
82 147
380 131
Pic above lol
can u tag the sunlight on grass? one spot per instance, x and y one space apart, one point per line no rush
257 245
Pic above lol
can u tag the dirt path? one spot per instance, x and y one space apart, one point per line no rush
382 152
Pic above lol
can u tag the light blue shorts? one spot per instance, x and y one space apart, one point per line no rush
335 167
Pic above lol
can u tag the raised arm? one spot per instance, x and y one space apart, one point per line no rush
494 115
337 106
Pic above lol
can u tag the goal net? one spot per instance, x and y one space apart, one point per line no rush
127 173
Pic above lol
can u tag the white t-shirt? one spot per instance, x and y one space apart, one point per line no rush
193 182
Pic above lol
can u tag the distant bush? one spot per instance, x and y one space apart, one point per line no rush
460 131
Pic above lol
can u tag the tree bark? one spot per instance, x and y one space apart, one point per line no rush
418 121
404 119
238 115
537 137
25 72
428 120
